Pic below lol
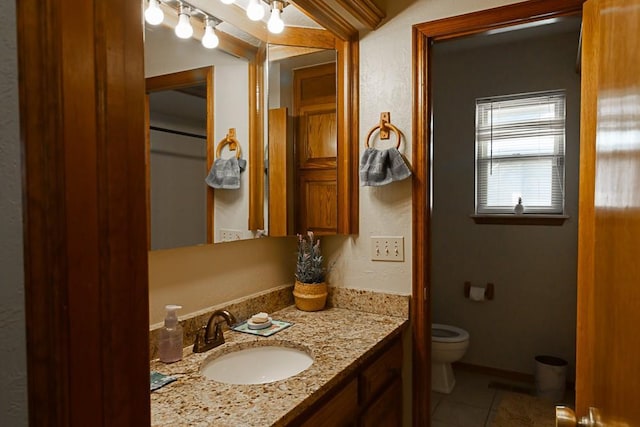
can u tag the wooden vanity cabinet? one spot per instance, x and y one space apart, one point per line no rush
370 397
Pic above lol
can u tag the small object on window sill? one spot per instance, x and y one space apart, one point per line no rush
519 209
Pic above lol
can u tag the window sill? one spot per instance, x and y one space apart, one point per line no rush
525 219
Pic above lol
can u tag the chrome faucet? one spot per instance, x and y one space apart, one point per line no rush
204 341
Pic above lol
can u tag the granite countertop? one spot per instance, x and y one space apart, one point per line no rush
338 339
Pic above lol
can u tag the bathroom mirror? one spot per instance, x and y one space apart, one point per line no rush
239 103
189 117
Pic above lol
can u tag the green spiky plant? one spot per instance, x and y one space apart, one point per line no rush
309 265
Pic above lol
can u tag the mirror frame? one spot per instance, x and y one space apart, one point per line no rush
172 81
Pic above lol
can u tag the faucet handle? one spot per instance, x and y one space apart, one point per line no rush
198 343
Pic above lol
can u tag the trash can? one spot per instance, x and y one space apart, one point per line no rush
551 377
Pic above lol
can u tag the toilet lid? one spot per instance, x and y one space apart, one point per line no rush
447 333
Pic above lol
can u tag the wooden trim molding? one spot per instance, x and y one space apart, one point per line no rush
365 11
348 149
307 37
344 18
256 140
504 16
423 36
328 17
86 293
421 287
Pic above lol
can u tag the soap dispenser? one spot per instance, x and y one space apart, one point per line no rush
170 337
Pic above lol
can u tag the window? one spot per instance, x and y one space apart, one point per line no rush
520 142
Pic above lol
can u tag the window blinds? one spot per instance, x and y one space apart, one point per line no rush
520 143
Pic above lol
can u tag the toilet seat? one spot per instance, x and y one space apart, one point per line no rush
447 333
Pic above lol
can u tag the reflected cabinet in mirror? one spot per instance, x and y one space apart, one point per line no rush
312 139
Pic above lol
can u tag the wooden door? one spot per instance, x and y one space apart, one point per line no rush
608 345
315 117
279 174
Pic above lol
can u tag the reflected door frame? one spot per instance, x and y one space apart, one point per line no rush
173 81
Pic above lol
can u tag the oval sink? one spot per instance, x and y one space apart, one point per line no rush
256 365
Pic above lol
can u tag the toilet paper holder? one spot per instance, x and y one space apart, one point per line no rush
488 290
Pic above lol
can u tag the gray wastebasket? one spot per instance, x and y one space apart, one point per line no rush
551 377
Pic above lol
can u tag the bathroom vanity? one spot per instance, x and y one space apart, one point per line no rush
355 378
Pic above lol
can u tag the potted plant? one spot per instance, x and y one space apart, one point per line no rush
310 289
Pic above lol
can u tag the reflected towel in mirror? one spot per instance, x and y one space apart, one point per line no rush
225 173
381 167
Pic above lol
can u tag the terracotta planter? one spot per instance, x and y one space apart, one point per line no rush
310 297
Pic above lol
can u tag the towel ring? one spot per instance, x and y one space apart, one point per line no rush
233 145
388 125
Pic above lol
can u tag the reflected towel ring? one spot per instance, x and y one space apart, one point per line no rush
233 145
381 126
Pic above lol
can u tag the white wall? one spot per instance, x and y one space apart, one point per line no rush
533 267
386 85
13 376
198 277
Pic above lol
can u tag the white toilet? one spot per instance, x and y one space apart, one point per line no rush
448 344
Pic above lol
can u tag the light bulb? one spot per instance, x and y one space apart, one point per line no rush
210 40
275 24
153 15
227 1
255 11
184 30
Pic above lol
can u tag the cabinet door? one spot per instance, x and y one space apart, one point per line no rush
386 410
339 411
381 372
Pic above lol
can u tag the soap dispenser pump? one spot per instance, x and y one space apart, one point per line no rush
170 337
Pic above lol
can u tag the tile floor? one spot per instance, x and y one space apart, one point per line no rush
472 403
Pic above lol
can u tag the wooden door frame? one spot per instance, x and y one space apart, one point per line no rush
81 83
424 35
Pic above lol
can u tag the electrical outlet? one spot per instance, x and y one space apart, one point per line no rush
228 235
387 248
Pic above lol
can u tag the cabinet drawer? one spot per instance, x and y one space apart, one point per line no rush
382 371
340 410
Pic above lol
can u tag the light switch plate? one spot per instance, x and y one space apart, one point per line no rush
387 248
228 235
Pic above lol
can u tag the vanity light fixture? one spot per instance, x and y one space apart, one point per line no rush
184 30
276 24
255 11
153 14
210 39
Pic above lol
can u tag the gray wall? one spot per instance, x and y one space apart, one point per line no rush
533 267
13 375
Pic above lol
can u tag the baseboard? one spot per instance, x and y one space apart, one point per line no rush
502 373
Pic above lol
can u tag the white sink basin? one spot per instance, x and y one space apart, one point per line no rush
256 365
